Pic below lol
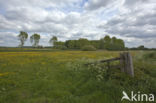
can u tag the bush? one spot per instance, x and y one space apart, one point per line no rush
39 46
60 47
88 48
150 55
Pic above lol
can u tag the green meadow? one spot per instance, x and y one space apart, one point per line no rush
61 77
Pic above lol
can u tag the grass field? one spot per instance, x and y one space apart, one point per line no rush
61 77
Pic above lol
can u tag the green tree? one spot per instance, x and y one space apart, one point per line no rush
117 44
141 47
105 42
34 39
76 44
114 44
111 43
22 37
53 40
121 44
59 45
70 44
95 43
81 42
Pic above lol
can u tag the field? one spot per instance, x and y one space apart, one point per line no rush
62 77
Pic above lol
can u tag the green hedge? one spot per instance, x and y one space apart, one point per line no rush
88 48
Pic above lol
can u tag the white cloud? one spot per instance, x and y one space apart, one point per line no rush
131 20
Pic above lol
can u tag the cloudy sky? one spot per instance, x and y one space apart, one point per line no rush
134 21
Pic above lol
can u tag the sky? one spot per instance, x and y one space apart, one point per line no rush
134 21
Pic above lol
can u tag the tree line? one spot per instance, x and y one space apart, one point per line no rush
106 42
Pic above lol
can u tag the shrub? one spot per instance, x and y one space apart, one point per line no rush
60 47
150 55
88 48
39 46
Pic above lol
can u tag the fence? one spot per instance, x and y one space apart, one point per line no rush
126 63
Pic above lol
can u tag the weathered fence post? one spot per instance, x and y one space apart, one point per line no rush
126 63
108 65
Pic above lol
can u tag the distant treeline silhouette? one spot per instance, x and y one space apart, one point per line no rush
105 43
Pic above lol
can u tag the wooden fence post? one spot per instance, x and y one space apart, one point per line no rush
127 63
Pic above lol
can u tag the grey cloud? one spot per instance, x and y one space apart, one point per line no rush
134 19
9 4
148 42
95 4
138 23
8 39
131 3
132 25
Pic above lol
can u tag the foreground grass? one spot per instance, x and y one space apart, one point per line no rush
61 77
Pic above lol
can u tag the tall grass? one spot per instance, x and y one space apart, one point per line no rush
62 77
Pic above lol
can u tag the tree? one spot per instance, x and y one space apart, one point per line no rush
105 42
111 43
141 47
114 43
76 44
53 40
95 43
22 37
34 39
70 44
81 42
59 45
121 45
